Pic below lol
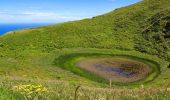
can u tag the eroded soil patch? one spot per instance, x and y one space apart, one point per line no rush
116 69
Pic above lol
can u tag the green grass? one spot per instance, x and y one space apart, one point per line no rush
62 83
139 30
119 29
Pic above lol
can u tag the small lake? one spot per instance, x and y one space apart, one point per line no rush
116 69
4 28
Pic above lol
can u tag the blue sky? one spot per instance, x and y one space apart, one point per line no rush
52 11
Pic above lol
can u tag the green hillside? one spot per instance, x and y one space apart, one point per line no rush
143 29
119 29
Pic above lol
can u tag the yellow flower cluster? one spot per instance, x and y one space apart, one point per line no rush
168 89
30 89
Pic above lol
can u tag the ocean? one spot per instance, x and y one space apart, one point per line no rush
4 28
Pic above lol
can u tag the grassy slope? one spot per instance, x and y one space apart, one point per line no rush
116 29
29 54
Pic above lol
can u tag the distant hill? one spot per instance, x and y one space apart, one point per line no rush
143 26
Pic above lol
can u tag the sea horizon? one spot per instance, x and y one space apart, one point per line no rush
7 27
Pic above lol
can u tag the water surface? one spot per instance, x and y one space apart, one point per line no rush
4 28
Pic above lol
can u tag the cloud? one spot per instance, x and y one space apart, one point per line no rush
35 16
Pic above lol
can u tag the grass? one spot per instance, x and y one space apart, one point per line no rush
62 90
120 29
40 69
27 56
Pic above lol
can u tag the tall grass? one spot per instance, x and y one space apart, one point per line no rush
58 90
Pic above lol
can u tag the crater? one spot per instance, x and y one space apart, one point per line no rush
119 68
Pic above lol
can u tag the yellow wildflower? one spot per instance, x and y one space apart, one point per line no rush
168 89
30 89
39 89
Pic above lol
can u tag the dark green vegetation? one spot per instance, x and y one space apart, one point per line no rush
156 37
139 30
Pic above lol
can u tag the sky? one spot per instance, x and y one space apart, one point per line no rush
54 11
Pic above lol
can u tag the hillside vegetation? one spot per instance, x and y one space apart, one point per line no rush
120 29
142 29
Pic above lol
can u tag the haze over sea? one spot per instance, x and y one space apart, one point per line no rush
4 28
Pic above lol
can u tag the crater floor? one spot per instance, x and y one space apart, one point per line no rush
116 69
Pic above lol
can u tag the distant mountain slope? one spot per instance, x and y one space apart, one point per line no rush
123 29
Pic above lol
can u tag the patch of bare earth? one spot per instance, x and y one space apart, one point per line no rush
117 70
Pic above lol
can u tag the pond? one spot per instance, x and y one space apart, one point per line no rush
120 69
116 69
